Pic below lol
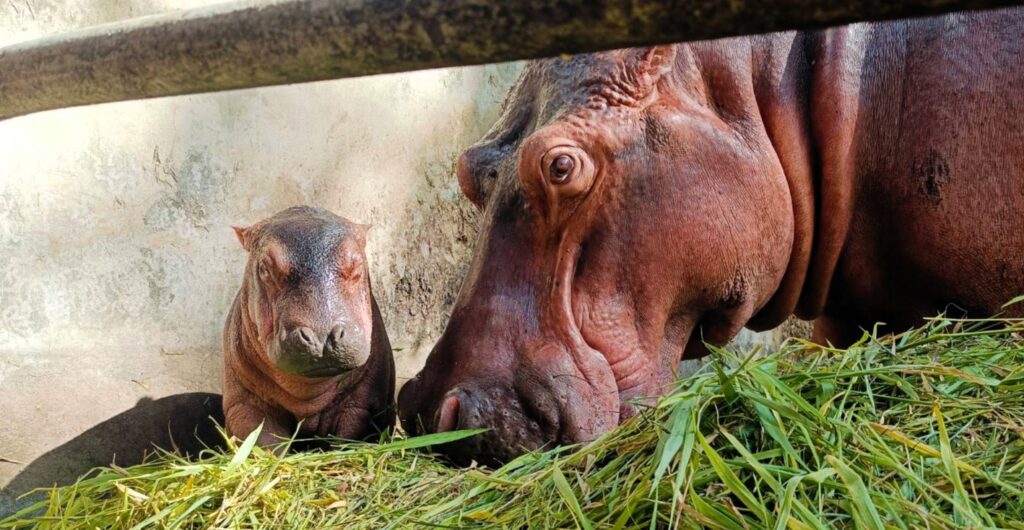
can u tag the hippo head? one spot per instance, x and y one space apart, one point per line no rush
306 295
624 213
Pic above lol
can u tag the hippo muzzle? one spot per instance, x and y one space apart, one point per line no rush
540 394
514 424
299 350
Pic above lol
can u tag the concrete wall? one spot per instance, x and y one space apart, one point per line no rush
119 260
120 264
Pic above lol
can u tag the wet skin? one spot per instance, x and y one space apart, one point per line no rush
304 341
637 203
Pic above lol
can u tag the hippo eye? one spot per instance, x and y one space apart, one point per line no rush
352 273
352 270
263 271
569 168
561 168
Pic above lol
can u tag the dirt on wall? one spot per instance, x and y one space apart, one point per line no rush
420 284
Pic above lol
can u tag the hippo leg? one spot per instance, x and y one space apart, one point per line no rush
242 418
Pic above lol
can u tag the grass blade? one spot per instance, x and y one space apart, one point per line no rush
859 496
569 497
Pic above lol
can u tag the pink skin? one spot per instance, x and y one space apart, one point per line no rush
304 341
567 313
637 203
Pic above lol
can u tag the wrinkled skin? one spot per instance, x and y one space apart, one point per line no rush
304 340
637 203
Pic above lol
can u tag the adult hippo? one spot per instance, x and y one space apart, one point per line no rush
638 202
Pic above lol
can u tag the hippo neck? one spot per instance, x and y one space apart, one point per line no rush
302 397
807 108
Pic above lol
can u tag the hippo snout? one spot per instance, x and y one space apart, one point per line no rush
347 346
514 425
449 414
301 341
303 351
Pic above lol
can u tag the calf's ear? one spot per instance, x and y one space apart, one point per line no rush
361 231
247 235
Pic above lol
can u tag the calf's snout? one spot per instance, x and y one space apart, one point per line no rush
346 346
301 340
301 350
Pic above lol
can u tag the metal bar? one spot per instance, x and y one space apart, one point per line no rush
244 45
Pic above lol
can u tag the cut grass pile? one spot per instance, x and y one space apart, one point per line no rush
921 430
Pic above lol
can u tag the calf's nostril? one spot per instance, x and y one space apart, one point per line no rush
334 338
448 414
307 336
304 339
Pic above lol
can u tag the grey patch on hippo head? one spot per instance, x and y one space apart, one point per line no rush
308 291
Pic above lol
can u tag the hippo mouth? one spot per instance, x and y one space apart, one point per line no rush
632 364
305 353
515 424
302 364
313 372
320 372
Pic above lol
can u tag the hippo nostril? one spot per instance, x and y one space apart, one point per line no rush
333 342
303 339
448 414
307 336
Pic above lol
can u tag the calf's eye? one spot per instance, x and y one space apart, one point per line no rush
351 269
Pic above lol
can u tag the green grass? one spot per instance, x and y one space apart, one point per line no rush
921 430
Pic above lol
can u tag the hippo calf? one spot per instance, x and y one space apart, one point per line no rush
304 340
637 203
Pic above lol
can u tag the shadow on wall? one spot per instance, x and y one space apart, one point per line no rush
184 423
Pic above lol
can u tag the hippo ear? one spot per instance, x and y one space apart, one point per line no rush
652 63
247 235
359 231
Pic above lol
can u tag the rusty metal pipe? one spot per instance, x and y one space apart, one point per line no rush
244 45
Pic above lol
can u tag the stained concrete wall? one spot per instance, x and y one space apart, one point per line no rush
119 263
119 260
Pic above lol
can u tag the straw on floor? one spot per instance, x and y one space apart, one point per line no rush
921 430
